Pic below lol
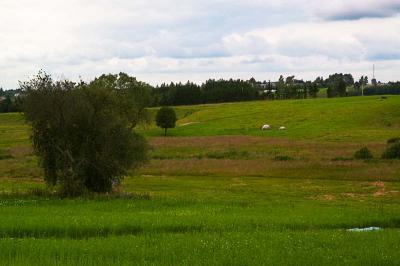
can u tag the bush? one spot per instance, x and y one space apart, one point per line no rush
393 140
283 158
230 154
4 155
363 154
341 159
392 152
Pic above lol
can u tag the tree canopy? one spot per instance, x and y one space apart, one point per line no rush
166 118
83 133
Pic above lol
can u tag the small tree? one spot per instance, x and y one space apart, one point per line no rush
166 118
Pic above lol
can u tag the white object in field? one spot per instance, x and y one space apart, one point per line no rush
265 127
373 228
282 128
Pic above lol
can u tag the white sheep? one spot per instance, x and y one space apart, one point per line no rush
265 127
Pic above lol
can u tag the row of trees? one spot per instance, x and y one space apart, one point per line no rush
289 88
389 88
212 91
216 91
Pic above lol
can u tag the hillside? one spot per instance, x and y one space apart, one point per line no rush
353 118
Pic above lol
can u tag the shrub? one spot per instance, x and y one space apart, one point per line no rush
363 154
392 152
393 140
341 159
4 154
229 154
283 158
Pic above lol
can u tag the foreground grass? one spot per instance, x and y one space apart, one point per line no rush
197 230
295 248
276 197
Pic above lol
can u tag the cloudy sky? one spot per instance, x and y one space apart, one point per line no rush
177 40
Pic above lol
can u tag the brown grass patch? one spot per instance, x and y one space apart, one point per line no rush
237 182
262 146
18 152
326 197
354 170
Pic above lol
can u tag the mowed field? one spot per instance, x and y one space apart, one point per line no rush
219 191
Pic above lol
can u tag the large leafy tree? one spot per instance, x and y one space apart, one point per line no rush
83 133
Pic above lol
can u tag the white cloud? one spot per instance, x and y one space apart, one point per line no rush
158 39
355 40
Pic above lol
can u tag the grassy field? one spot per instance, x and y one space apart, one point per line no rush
221 192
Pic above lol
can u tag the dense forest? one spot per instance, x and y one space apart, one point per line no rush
234 90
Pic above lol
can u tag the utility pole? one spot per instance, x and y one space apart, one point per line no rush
362 88
373 71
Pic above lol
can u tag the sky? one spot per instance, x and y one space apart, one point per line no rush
178 40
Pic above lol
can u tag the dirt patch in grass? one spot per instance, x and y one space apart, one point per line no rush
381 188
237 182
18 152
190 123
326 197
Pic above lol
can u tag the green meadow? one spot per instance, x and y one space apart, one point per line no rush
220 191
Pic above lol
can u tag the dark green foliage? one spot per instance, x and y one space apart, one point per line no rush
216 91
166 118
341 159
382 89
363 154
337 85
4 154
229 154
392 152
347 79
312 89
178 94
83 132
212 91
393 140
283 158
10 101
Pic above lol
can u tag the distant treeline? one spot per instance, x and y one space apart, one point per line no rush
212 91
10 101
390 88
234 90
218 91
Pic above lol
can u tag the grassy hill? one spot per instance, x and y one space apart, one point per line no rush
353 118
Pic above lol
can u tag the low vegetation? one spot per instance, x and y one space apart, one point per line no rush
392 152
363 154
